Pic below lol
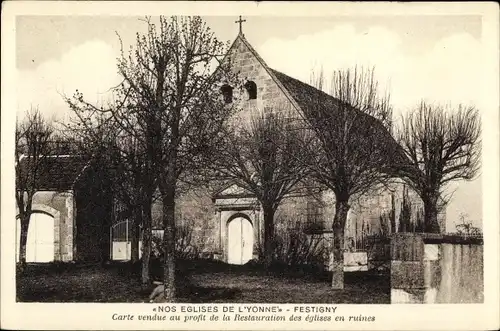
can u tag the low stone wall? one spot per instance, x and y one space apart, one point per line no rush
434 268
353 261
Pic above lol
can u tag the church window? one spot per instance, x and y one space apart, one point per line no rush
227 92
251 88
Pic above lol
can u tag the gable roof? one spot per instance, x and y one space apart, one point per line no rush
270 72
308 97
304 97
56 173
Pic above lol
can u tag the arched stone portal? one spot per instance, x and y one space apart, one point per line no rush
240 239
239 216
43 234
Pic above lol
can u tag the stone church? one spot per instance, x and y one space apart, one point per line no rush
235 232
74 220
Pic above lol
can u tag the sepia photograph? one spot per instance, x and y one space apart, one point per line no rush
249 159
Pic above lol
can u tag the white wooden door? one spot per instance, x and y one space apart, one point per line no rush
240 241
40 241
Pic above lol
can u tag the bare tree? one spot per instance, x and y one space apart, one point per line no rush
134 187
466 227
353 144
442 146
93 139
130 176
264 157
101 139
33 146
170 101
119 145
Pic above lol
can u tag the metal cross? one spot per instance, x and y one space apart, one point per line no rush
240 21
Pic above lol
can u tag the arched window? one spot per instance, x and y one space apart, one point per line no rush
251 88
227 92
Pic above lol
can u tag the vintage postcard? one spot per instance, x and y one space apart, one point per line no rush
250 166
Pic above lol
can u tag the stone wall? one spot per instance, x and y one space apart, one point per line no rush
434 268
368 212
59 205
300 211
250 68
197 217
196 213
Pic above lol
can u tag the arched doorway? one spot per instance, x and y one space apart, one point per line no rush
240 240
40 242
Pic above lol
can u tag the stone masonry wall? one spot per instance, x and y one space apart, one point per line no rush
269 94
435 268
196 212
195 218
62 202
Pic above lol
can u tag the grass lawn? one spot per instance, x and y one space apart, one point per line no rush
198 282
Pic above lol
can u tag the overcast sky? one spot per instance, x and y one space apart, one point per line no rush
437 58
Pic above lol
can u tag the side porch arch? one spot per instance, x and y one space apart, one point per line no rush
43 242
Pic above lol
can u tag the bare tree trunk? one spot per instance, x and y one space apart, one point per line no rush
134 240
268 235
146 242
393 215
105 212
168 199
341 209
430 214
25 221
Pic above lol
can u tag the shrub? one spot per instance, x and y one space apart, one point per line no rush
184 249
294 248
466 227
184 245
